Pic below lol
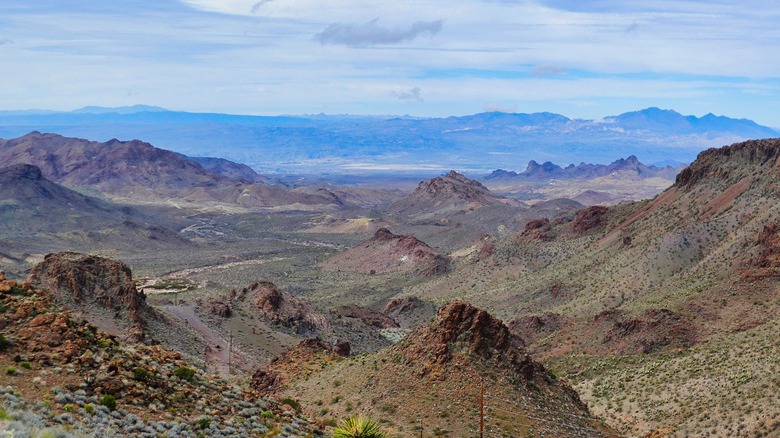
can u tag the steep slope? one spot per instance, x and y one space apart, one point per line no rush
139 172
388 252
29 202
690 272
100 289
431 379
65 377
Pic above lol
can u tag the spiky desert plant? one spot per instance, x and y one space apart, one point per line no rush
358 427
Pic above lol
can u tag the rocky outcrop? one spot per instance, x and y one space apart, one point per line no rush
366 315
100 289
388 252
537 230
292 365
589 219
280 307
533 327
462 329
720 164
649 331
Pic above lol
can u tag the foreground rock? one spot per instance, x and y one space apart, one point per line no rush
433 377
100 289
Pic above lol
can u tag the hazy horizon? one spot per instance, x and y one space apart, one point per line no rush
423 59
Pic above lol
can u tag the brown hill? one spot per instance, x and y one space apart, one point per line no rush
667 281
431 379
137 171
444 196
388 252
31 203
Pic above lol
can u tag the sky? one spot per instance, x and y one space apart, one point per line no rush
427 58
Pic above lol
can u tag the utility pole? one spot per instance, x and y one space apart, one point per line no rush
421 429
230 351
481 406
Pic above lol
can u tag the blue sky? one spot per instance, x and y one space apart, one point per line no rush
585 59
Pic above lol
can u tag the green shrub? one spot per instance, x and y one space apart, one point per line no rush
108 401
358 427
10 371
90 408
203 423
4 416
4 342
141 374
25 364
69 408
292 403
184 373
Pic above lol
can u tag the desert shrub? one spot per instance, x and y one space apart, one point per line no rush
4 342
184 373
203 423
292 403
89 408
10 371
141 374
358 427
69 408
108 401
25 364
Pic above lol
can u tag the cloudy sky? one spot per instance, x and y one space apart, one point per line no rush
584 59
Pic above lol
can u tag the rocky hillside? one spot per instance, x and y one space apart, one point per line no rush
139 172
388 252
690 272
101 290
443 196
431 380
65 377
29 202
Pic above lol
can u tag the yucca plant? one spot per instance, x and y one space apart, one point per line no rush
358 427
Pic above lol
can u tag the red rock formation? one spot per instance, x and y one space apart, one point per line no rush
96 287
282 308
589 219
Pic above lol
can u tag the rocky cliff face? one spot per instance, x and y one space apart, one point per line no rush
282 308
100 289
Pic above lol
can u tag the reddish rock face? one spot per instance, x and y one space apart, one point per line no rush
769 241
82 283
282 308
589 219
463 327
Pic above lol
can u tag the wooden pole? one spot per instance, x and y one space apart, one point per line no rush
230 351
481 406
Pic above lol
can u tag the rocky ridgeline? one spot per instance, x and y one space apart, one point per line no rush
724 163
64 373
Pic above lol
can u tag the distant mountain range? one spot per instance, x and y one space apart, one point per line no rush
352 144
583 171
